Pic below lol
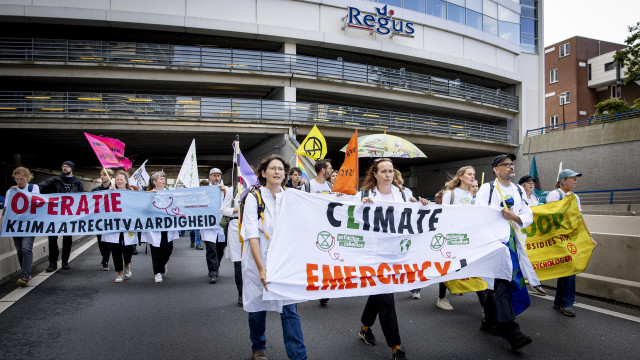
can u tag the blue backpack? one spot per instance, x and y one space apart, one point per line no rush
542 199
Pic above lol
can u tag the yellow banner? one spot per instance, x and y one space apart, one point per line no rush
314 145
558 243
466 285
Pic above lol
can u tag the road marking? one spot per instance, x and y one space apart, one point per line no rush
593 308
18 293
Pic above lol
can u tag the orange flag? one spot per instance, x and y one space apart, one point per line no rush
347 180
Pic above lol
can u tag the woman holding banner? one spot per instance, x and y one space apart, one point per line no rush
121 244
257 225
161 241
24 245
458 192
381 185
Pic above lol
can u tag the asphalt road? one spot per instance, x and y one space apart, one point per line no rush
83 314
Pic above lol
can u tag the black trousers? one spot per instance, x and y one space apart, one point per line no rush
498 310
160 255
383 306
121 253
105 250
220 251
213 264
54 252
237 267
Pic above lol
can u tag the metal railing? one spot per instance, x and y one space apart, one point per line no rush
617 196
74 104
586 122
210 57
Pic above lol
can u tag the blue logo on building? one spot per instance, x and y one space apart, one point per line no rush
382 22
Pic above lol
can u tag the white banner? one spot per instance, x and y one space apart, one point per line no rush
323 248
189 171
140 178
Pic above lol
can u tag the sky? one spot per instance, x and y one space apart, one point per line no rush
597 19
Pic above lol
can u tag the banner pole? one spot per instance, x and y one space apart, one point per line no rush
513 225
109 177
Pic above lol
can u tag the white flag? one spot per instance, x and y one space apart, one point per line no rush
189 172
140 178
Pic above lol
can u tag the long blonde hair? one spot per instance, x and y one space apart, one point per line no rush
454 181
370 182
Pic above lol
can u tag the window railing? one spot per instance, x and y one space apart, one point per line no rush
76 104
210 57
586 122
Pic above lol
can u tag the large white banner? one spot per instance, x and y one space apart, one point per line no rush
326 248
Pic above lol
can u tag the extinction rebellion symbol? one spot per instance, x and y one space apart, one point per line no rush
313 147
437 242
325 241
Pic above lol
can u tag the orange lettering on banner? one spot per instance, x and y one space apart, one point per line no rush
384 279
336 279
411 273
366 274
311 279
425 266
348 275
443 270
397 268
347 180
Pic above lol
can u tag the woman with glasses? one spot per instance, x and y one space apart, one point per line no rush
121 244
380 185
256 229
161 242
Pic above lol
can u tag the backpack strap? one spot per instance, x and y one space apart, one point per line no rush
491 186
30 187
560 194
404 196
365 193
307 186
452 196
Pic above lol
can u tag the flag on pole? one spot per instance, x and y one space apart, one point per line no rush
559 171
140 178
300 165
314 145
246 176
347 180
188 175
110 152
533 172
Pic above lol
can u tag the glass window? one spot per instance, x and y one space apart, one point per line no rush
490 25
437 8
474 19
397 3
455 13
505 14
553 76
415 5
490 8
528 27
475 5
457 2
528 45
509 31
528 8
564 50
564 98
553 121
609 66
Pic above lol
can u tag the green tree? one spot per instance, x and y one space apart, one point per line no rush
611 106
630 56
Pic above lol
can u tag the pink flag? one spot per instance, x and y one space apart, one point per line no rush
109 151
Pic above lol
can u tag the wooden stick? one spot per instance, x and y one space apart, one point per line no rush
513 224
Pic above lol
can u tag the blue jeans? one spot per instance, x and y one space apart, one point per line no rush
195 237
291 332
24 248
565 291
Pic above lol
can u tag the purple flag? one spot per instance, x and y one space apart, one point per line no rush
245 174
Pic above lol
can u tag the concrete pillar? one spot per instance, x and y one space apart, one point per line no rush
288 48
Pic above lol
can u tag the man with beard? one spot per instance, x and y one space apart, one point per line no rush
65 183
321 182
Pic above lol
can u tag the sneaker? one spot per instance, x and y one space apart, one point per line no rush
65 266
158 278
259 355
166 269
519 341
135 251
444 304
52 267
539 290
193 244
323 302
367 336
128 273
415 294
489 328
213 279
199 247
119 278
22 282
398 355
105 267
567 311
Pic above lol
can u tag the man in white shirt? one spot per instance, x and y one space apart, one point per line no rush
321 182
499 314
214 239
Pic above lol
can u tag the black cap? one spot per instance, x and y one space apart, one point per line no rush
69 164
525 179
500 158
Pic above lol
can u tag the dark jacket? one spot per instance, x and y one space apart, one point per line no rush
55 184
100 188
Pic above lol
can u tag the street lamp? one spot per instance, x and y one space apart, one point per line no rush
563 100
